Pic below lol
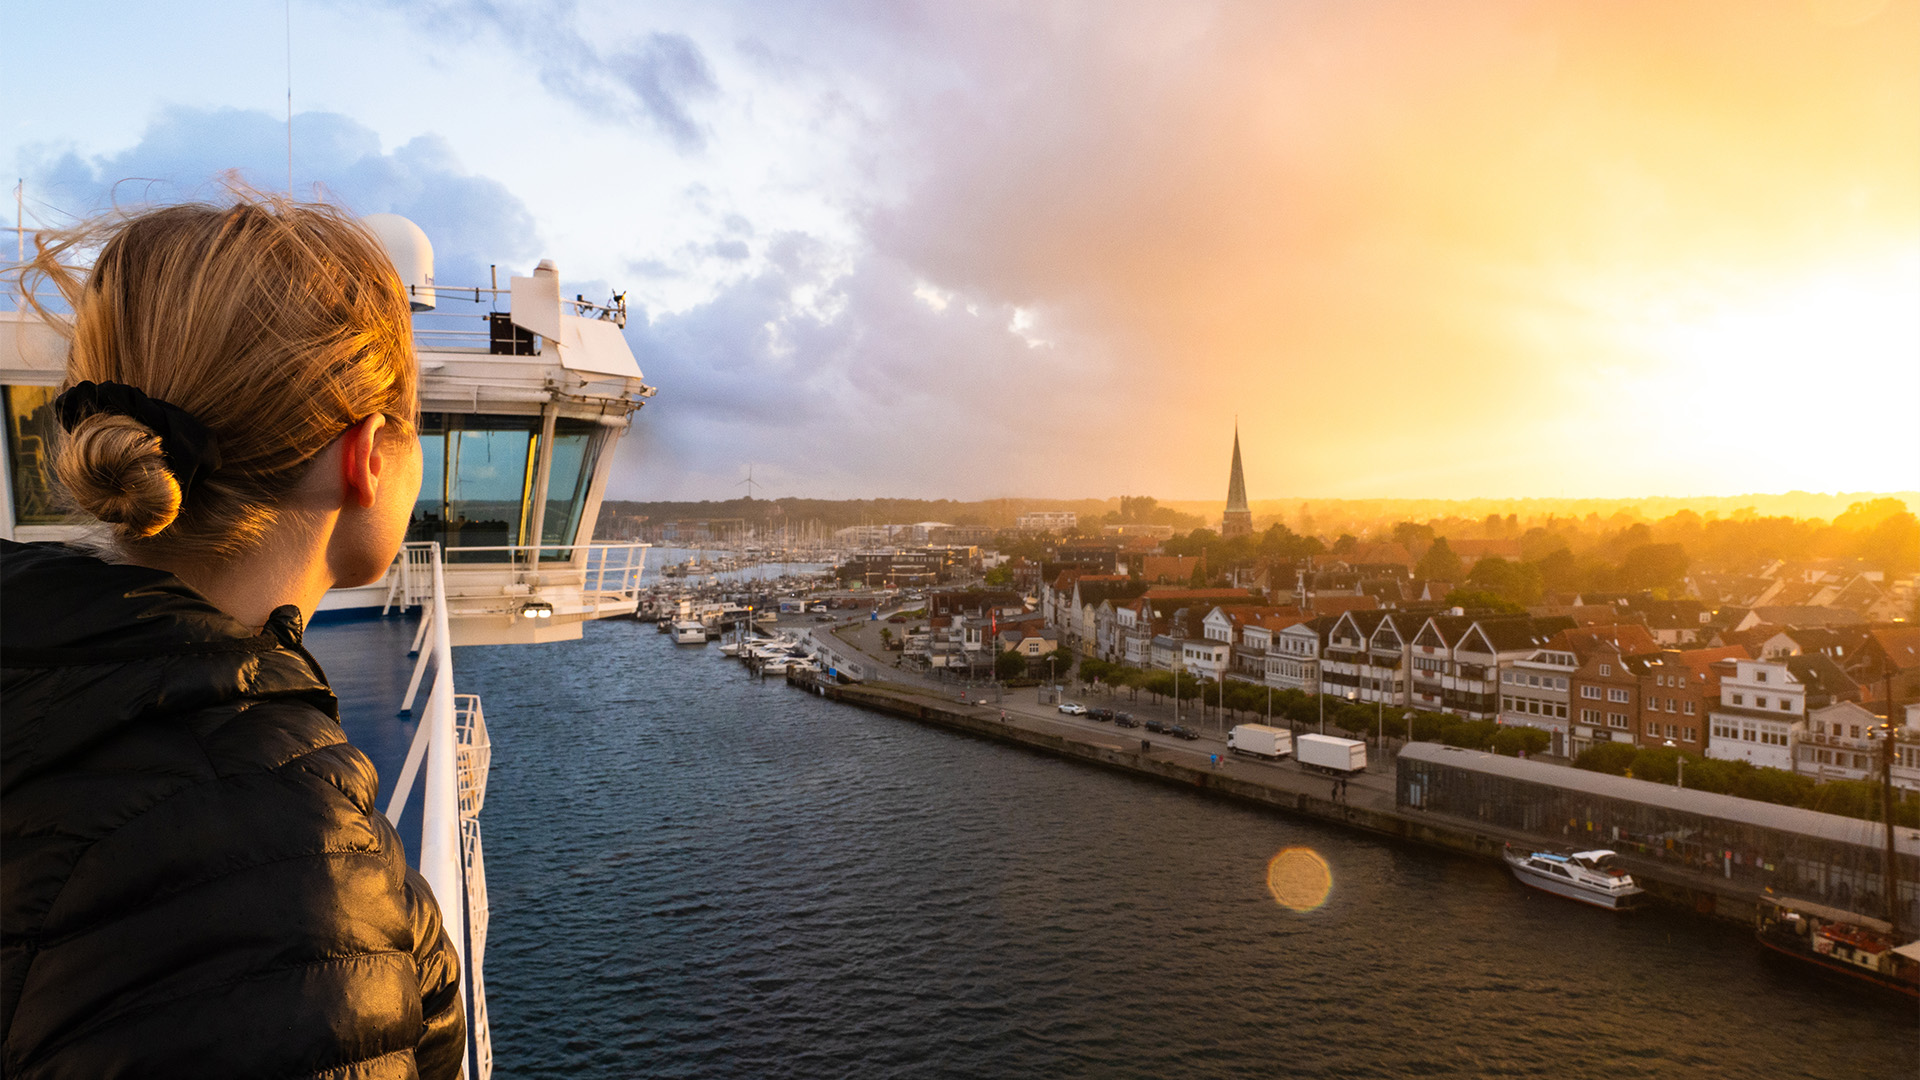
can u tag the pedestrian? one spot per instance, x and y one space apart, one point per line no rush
196 880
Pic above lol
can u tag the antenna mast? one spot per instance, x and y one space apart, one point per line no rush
289 97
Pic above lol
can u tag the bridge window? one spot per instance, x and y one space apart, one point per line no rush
30 433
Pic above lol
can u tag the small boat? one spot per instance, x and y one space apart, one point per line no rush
690 632
1842 942
1583 876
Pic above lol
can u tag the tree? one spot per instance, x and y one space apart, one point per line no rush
1414 537
1510 741
1654 566
1000 576
1346 545
1439 563
1516 583
1009 665
1612 758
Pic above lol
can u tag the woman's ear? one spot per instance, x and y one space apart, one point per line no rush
361 460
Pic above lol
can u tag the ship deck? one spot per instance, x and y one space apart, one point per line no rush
367 664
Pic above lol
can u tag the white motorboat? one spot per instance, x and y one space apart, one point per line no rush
690 632
1584 876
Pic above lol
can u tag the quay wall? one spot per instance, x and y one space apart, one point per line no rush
1677 887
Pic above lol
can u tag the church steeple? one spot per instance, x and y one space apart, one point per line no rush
1238 520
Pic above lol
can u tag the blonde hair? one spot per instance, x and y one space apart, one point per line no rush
276 324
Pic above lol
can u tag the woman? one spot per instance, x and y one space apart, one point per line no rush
196 879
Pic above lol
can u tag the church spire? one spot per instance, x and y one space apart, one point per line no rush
1238 520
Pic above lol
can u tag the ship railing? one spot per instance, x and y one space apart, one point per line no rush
452 748
604 577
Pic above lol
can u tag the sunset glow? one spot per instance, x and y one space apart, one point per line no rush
1424 250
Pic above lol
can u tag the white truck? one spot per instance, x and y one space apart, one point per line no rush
1272 743
1327 754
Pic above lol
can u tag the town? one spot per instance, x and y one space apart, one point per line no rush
1771 683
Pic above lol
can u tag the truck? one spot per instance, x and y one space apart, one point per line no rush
1260 740
1328 754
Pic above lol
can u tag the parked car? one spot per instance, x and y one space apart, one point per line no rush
896 618
1125 719
1101 715
1182 731
1157 725
1073 708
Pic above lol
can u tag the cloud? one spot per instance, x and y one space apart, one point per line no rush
473 221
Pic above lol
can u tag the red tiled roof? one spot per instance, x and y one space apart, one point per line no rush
1900 643
1628 639
1325 604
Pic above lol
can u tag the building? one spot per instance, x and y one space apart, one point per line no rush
1678 687
1839 743
1054 521
1238 519
1887 651
1604 695
1537 692
1169 569
1293 662
1761 711
1205 657
1149 532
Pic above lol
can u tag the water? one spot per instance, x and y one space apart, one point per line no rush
696 874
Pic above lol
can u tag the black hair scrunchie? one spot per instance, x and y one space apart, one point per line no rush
189 448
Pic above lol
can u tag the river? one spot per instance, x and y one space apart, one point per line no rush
693 873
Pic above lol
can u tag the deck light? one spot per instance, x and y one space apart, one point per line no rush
537 609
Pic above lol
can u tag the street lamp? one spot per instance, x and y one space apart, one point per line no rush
1679 765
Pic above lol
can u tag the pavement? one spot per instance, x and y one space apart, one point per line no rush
1373 789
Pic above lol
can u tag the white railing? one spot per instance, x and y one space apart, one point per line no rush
453 744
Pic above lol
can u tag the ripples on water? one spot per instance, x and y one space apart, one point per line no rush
696 874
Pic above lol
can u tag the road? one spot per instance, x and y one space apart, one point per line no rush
1373 788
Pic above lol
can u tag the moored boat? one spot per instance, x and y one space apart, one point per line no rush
690 632
1583 876
1842 942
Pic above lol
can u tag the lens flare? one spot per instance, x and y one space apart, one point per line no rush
1299 879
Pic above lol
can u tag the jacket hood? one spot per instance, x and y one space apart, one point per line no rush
88 647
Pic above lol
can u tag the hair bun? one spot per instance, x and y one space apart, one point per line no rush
112 468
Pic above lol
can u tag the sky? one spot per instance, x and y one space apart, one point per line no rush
972 250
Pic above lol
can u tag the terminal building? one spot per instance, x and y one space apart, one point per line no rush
1836 860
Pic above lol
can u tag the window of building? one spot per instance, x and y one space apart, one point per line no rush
1759 703
1591 693
1739 699
1759 676
1689 733
1617 720
1606 670
1589 716
1617 695
1786 705
1560 711
1687 707
1653 729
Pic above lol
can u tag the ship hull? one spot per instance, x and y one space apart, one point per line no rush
1851 971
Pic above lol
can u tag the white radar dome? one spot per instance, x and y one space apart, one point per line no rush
412 254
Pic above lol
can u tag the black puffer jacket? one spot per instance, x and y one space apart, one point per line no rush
194 880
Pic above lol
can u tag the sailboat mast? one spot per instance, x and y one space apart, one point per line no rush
1886 806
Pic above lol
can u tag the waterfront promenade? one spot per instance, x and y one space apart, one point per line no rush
1367 802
